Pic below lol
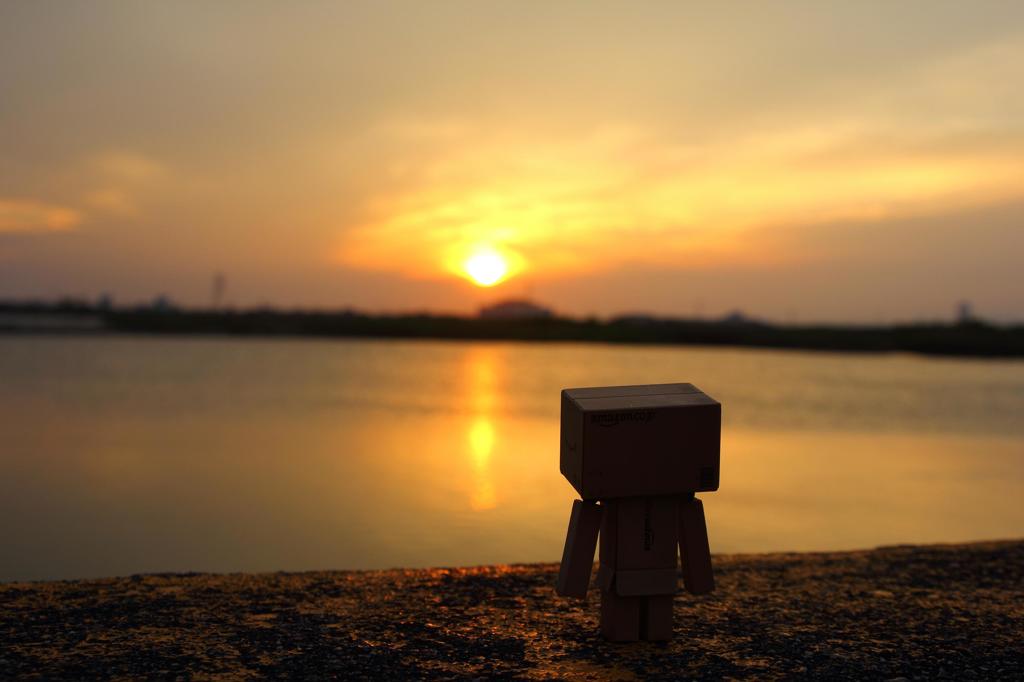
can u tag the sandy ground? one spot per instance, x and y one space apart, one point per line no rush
951 611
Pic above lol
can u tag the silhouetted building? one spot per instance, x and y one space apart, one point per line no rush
635 319
965 313
738 317
220 285
515 310
162 304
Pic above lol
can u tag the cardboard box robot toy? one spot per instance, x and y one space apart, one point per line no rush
636 455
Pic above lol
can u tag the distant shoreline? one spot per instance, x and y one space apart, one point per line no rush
969 339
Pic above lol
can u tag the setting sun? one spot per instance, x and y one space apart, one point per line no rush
486 267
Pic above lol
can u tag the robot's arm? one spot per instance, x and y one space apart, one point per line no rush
694 549
578 555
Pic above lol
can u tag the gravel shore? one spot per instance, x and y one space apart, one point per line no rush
947 611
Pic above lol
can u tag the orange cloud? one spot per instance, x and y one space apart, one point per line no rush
620 196
111 199
126 167
26 215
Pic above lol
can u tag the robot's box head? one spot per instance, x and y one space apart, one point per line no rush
625 441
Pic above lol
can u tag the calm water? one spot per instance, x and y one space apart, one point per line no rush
123 455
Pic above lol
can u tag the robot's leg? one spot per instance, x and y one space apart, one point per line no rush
656 618
620 617
693 546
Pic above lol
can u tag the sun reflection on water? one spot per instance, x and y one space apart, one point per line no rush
482 385
481 446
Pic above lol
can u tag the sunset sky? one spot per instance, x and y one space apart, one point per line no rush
799 161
